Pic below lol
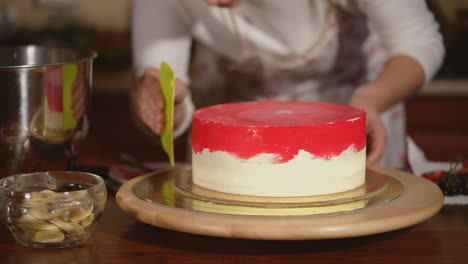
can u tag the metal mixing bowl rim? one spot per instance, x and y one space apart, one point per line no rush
91 54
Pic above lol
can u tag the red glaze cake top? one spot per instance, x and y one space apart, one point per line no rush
279 127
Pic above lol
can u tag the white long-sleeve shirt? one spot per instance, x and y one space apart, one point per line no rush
163 29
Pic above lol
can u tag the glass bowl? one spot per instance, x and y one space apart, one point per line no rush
53 209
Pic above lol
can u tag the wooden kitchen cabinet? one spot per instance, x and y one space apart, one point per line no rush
438 123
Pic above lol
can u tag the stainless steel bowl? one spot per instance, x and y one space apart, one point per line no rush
44 100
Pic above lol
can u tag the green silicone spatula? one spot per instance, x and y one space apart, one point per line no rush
167 84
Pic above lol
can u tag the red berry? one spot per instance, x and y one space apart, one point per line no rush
434 176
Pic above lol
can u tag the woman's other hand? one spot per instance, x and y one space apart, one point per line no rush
376 132
147 103
400 78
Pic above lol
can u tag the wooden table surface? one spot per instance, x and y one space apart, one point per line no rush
119 238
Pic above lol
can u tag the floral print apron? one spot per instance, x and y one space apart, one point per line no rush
347 55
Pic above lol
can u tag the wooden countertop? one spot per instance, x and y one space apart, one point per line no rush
119 238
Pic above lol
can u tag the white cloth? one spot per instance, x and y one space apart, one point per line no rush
288 50
419 165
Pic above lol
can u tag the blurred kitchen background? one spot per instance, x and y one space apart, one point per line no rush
437 117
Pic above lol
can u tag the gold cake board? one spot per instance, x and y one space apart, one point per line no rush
389 200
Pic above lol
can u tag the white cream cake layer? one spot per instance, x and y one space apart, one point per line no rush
304 175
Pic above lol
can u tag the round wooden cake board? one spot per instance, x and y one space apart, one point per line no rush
395 200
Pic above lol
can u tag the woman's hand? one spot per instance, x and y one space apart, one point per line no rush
400 79
376 132
147 102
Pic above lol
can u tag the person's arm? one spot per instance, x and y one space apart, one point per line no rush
159 33
399 79
410 34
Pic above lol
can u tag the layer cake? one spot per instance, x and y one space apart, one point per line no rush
279 148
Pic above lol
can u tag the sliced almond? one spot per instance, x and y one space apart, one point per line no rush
77 214
44 212
27 218
73 229
38 199
88 220
28 223
42 195
48 236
